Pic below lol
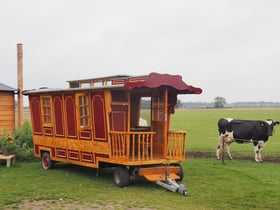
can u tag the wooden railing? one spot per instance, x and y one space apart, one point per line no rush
135 146
138 146
176 145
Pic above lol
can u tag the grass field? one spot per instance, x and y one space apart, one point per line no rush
237 184
202 129
212 185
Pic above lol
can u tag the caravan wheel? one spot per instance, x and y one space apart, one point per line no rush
180 173
46 160
121 176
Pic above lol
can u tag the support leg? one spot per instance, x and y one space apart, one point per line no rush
8 163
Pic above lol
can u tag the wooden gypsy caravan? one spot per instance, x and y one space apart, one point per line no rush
95 123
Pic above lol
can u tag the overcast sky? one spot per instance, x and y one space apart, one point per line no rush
228 48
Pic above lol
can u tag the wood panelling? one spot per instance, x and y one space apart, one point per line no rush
34 103
85 134
70 116
7 112
58 115
99 116
118 118
48 131
74 155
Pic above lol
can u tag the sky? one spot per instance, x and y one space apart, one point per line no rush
229 48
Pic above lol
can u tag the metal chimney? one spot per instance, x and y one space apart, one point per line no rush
20 84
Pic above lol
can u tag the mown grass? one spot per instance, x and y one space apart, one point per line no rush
202 129
237 184
212 185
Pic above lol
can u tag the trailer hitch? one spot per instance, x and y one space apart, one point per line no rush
165 177
172 185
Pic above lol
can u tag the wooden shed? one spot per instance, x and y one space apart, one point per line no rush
7 109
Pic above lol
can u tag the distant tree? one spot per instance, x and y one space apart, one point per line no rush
179 104
145 104
219 102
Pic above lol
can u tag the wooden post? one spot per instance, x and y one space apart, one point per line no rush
20 84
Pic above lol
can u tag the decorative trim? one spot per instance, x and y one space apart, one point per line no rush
74 155
61 153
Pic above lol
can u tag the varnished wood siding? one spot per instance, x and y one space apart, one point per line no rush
7 112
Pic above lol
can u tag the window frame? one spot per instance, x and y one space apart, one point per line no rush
47 115
83 111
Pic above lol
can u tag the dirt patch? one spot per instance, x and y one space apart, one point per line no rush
64 204
266 158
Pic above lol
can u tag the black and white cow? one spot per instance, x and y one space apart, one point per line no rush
241 131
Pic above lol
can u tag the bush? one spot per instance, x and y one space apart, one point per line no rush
23 142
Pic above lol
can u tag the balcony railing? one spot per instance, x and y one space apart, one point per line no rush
135 146
138 146
176 145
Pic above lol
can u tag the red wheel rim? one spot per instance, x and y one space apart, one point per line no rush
46 162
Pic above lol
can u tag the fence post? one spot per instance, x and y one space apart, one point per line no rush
223 149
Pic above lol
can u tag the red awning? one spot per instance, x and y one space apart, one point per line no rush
156 80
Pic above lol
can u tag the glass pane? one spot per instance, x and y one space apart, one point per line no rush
85 100
81 111
46 101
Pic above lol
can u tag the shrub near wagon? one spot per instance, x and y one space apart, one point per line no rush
22 144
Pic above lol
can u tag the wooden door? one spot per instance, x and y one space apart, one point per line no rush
159 122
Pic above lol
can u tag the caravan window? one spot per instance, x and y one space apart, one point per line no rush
46 110
84 110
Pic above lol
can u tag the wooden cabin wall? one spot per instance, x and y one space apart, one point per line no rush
119 113
135 111
35 109
62 134
70 116
7 112
158 121
99 116
58 115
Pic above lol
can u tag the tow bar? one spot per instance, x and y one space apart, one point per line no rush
165 177
172 185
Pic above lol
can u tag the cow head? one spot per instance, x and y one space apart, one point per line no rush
271 125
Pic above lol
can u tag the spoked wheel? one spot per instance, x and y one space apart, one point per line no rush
121 176
180 173
47 163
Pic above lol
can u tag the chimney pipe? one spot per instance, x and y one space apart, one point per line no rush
20 84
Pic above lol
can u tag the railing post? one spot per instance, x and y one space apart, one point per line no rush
127 136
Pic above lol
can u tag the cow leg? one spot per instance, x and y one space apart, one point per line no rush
261 145
256 150
228 152
219 147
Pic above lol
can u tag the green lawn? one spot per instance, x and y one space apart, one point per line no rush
202 129
237 184
212 185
